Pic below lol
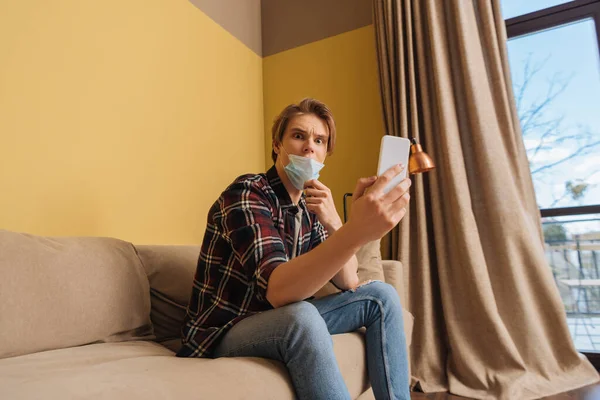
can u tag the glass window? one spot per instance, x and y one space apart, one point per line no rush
556 82
572 246
555 72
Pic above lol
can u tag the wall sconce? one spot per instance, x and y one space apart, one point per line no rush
419 161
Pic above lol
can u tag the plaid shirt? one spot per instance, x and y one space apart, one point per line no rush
251 229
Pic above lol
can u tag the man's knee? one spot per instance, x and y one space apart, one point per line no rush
305 325
384 292
302 315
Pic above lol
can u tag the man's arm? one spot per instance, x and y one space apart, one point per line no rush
374 214
319 200
347 277
302 276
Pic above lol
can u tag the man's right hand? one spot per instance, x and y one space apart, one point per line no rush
374 213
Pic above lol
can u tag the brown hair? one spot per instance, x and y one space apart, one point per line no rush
306 106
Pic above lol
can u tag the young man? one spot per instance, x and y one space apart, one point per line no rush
272 241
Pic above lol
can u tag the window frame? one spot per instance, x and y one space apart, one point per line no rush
539 21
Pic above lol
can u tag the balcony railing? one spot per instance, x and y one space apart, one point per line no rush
572 245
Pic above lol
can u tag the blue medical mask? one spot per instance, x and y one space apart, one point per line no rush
301 169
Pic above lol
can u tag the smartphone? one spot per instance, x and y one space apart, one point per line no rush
394 150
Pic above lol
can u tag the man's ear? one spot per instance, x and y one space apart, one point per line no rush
275 146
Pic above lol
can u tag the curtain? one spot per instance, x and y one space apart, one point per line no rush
489 321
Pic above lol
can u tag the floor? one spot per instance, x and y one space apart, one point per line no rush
586 393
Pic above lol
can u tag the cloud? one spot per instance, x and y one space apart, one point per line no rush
586 166
550 156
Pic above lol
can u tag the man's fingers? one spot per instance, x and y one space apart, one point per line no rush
315 193
398 191
387 176
314 200
400 204
361 185
315 183
401 213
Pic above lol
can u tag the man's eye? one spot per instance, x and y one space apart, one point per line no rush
319 141
298 136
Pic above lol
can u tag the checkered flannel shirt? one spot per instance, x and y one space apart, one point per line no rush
250 231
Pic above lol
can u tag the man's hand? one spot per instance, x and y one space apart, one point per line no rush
320 201
375 213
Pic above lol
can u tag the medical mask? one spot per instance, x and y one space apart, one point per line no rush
301 169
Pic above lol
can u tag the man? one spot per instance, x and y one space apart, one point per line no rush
272 241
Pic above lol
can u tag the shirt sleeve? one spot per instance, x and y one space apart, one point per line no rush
246 220
318 234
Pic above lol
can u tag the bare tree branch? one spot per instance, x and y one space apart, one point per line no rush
569 157
554 125
536 110
545 128
527 76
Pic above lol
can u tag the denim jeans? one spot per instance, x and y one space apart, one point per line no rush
299 335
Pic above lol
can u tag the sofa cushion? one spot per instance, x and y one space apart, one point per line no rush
63 292
170 272
369 267
369 261
146 370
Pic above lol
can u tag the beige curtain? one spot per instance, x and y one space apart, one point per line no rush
489 322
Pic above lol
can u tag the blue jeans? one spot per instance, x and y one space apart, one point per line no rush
299 335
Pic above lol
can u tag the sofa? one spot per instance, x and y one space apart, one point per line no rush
99 318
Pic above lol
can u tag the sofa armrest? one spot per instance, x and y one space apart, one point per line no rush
394 275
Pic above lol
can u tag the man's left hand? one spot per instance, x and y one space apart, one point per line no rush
320 201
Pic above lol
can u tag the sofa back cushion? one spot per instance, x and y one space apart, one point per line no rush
64 292
170 272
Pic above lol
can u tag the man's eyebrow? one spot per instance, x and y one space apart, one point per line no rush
298 129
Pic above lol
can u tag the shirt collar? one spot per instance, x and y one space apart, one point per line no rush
281 192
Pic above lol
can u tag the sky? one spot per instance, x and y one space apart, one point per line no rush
567 55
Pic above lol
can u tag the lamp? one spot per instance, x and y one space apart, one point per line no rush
418 162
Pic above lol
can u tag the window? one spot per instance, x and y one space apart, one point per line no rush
555 66
556 78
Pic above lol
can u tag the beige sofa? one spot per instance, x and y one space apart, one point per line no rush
87 317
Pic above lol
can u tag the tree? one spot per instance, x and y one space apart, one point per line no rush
575 191
555 233
544 131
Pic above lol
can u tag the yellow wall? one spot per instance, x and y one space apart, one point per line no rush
122 118
341 71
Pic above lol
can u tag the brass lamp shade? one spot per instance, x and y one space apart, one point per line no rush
419 161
